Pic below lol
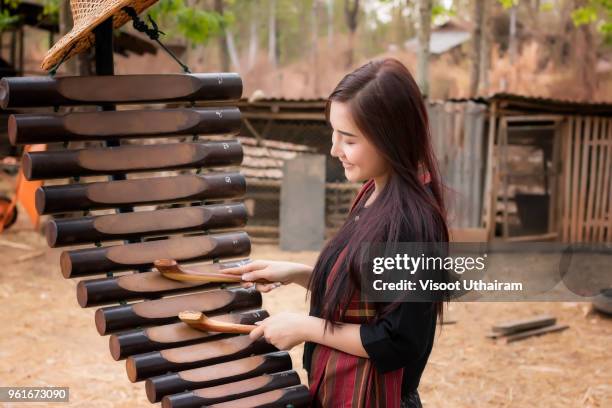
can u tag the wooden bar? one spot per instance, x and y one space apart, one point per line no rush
566 173
172 383
156 312
30 128
589 198
606 198
92 261
524 324
581 229
599 189
231 391
142 366
26 92
297 396
576 149
138 341
145 285
127 226
129 159
113 194
534 332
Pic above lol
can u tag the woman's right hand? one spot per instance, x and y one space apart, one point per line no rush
276 272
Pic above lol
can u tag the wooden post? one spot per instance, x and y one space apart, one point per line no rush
105 65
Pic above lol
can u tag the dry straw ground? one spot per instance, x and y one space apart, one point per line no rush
47 339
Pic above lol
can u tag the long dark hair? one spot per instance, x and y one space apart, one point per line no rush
386 105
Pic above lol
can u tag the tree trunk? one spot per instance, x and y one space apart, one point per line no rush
330 23
476 46
485 51
512 36
424 37
315 48
351 14
253 43
231 49
224 59
65 24
588 62
272 35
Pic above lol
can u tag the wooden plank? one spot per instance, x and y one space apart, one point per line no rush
478 165
101 125
141 255
21 92
457 160
556 197
317 117
155 190
606 162
535 118
591 180
548 236
608 213
535 332
505 170
597 184
513 326
575 148
468 235
488 193
580 237
130 159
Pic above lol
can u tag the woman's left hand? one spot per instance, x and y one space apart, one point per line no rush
283 330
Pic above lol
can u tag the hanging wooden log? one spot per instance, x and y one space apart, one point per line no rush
167 384
126 226
30 128
26 92
297 396
112 194
143 366
231 391
138 341
128 159
114 318
92 261
145 285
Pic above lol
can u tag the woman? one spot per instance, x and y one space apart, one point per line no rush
366 354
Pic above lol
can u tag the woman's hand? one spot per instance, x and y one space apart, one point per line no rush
276 272
283 330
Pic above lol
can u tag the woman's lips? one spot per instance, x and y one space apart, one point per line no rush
346 165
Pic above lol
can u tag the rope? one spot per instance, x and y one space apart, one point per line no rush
153 33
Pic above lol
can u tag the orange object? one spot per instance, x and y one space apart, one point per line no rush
24 193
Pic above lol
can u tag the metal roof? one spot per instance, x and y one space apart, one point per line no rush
506 101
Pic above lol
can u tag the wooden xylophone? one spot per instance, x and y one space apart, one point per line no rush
180 366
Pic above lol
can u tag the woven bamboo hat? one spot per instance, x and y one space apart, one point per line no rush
87 15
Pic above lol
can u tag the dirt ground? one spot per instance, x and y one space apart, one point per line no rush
48 340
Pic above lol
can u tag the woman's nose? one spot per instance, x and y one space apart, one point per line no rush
334 150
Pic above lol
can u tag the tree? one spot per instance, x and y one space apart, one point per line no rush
351 12
315 46
476 46
272 34
485 49
223 44
330 22
424 36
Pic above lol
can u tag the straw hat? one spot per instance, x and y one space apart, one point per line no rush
87 15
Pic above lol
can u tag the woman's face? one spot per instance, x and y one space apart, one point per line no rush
359 157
